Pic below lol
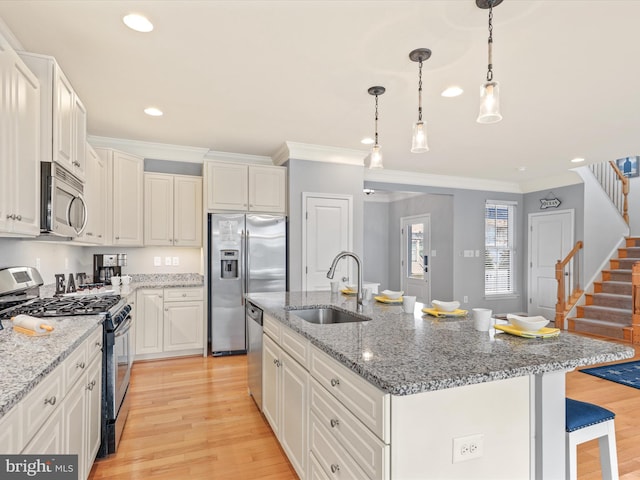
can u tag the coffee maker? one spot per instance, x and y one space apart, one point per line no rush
106 265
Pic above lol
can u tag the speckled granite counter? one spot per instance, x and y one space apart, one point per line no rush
407 354
25 361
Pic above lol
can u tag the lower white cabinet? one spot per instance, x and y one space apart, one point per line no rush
169 322
285 401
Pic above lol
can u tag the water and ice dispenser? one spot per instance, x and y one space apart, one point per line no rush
229 263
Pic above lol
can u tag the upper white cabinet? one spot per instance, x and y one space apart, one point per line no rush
124 199
19 145
96 193
63 119
240 187
172 210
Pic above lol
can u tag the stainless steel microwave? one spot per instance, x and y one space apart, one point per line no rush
63 210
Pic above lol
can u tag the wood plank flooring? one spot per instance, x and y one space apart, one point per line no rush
192 418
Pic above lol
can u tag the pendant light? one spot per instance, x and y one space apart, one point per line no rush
419 139
490 90
376 154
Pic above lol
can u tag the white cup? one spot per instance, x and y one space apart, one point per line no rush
408 304
335 287
115 281
482 319
367 295
125 279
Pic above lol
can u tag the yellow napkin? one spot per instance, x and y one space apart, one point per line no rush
437 313
542 333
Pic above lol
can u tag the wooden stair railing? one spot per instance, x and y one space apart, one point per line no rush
635 302
568 278
615 185
625 191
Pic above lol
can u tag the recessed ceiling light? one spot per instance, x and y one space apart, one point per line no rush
137 22
577 160
452 91
153 111
367 141
522 169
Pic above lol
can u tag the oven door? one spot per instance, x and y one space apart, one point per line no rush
68 210
120 366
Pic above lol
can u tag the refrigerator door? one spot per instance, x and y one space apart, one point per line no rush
266 261
226 284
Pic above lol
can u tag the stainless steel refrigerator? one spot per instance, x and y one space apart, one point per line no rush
247 254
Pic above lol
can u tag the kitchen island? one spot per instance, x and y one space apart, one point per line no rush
445 381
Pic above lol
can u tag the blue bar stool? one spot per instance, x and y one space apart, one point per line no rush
584 422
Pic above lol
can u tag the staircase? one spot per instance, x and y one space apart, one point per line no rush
608 310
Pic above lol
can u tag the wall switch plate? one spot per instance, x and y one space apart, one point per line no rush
66 263
167 260
468 253
477 253
467 448
37 263
157 261
465 299
175 261
433 253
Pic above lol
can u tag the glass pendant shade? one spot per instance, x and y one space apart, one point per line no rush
419 141
376 157
489 103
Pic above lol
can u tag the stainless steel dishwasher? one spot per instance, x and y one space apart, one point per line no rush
254 352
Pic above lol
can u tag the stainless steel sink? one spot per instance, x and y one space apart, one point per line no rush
327 315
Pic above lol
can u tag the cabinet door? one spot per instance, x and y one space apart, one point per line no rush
227 186
158 209
6 120
187 211
271 382
267 188
183 326
63 108
95 195
294 401
127 197
11 428
148 322
74 424
93 387
49 438
25 157
79 137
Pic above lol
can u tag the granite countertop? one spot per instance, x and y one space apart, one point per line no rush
404 354
25 360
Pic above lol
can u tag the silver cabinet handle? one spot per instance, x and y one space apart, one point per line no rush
335 382
92 384
276 362
99 344
80 365
335 467
334 422
51 401
18 217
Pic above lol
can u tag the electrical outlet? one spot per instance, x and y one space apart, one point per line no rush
175 261
167 260
38 264
157 261
467 448
465 299
66 263
434 253
477 253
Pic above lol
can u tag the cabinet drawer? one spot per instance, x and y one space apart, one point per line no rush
368 450
369 404
333 459
75 365
94 344
271 327
182 294
42 402
295 345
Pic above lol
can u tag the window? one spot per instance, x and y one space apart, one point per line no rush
499 251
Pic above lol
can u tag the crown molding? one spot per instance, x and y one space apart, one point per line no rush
318 153
238 158
8 35
156 151
569 178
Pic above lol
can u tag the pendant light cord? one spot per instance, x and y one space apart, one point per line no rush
490 43
376 123
420 92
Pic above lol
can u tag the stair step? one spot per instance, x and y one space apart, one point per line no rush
629 252
597 327
632 241
620 316
621 288
617 275
610 300
623 263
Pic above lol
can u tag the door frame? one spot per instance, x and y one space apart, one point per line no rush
403 248
305 197
571 213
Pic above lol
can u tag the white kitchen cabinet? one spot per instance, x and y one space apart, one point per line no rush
169 323
241 187
95 196
49 439
20 93
11 431
172 210
124 198
63 120
285 400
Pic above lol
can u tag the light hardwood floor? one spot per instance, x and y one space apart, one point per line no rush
191 418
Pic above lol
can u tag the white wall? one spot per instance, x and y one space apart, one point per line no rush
376 258
140 260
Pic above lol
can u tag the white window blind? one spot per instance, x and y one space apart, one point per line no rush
499 256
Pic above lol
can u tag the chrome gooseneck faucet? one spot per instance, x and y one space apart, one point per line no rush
332 271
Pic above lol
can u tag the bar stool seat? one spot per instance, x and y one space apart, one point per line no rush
584 422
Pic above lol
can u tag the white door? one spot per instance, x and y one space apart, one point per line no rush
550 240
327 231
416 244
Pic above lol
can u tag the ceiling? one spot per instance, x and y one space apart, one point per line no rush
246 76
